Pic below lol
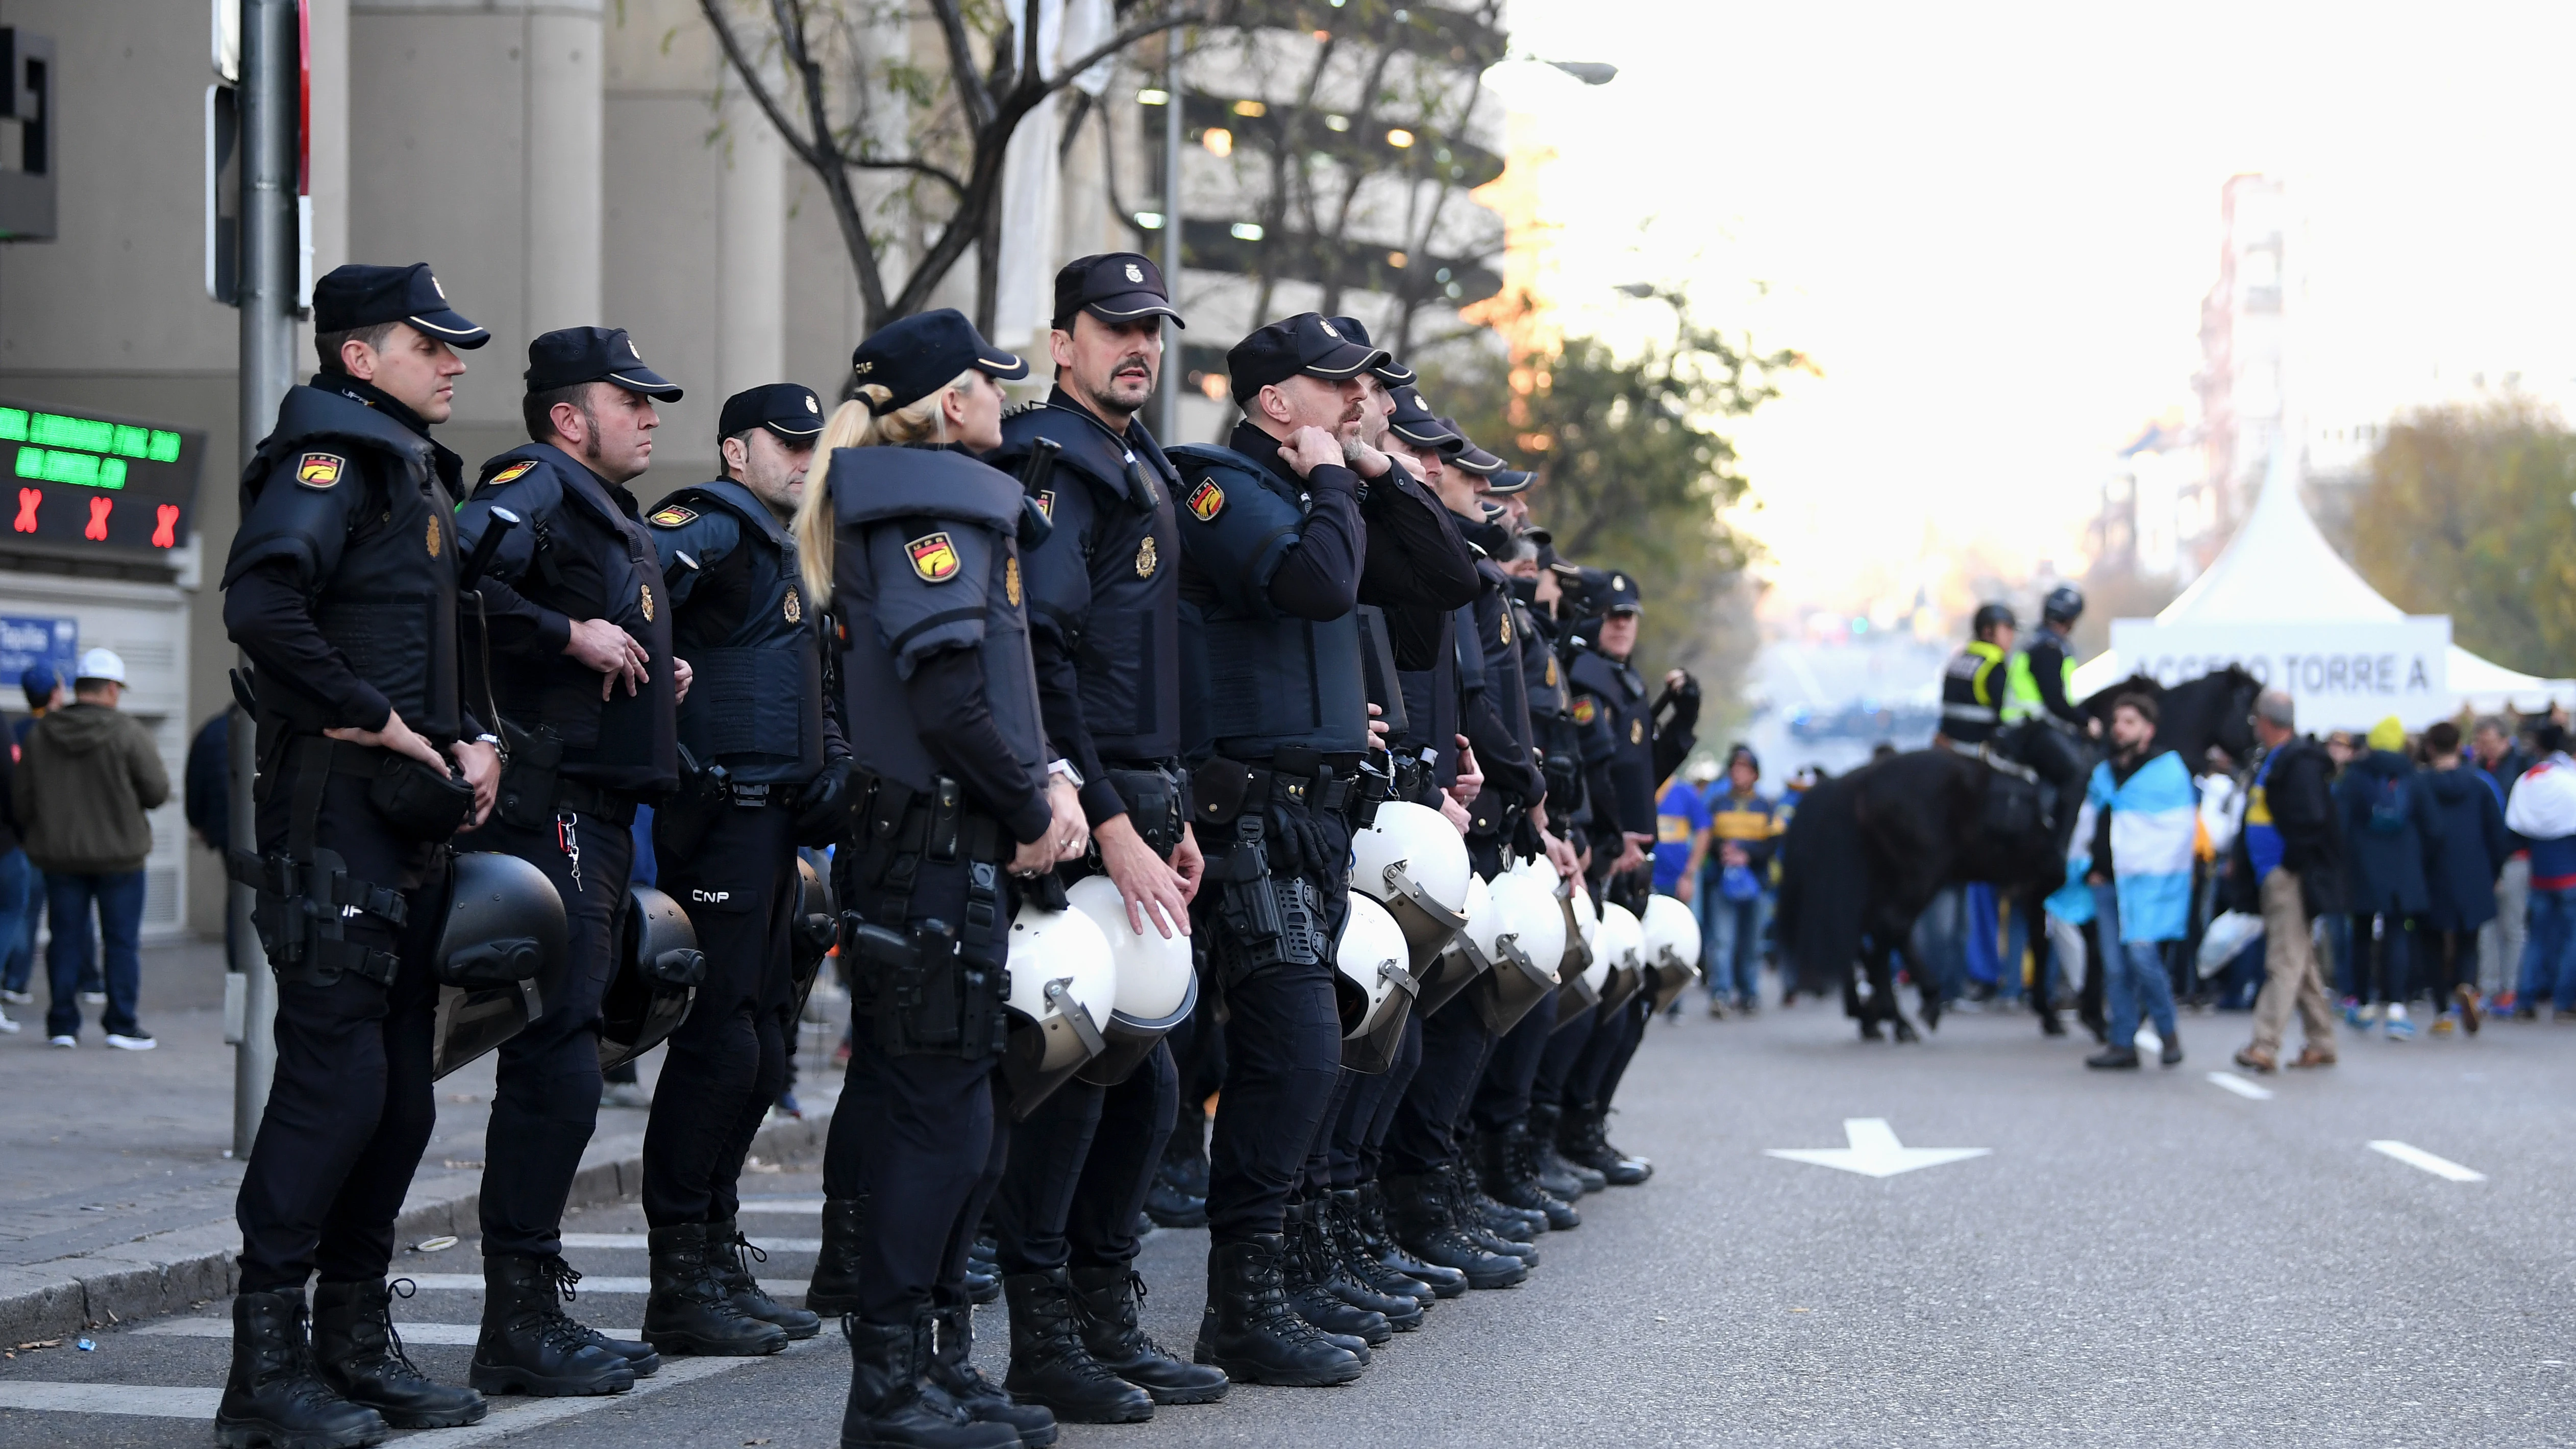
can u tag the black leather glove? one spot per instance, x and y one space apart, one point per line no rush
823 817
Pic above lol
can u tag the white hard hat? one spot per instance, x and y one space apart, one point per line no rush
1156 986
1413 862
1063 983
1529 940
101 664
1671 949
1469 954
1376 985
1580 975
1622 963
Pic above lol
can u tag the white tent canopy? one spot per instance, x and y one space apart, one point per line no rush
2279 570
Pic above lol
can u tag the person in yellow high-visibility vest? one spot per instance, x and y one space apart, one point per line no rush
1972 686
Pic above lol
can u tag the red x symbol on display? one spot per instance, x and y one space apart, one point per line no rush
28 498
166 533
98 510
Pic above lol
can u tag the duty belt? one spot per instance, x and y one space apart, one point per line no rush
580 797
1157 797
1227 788
304 894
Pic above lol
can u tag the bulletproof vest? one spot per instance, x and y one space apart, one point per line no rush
1498 637
1971 689
754 648
594 559
389 606
1431 707
1267 681
1632 735
1111 499
925 548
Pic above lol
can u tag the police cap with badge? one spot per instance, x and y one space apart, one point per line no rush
1114 287
354 297
1413 421
788 409
1307 344
575 355
913 357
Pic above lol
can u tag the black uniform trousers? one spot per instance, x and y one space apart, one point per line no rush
1080 1168
919 1136
1283 1049
1556 1061
1503 1097
546 1101
1368 1114
349 1110
728 1060
1455 1044
1596 1071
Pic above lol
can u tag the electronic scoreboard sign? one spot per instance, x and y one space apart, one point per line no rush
88 481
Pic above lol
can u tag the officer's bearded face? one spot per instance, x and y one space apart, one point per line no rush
616 428
1376 406
1619 635
413 368
1110 366
771 467
1311 402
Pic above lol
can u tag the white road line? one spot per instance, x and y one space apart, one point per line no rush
445 1335
146 1401
780 1205
644 1241
2227 1080
2418 1157
473 1283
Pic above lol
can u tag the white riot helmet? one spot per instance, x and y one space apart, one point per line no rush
1578 981
1413 862
1623 950
1156 986
1671 951
1468 955
1375 985
1062 985
1529 939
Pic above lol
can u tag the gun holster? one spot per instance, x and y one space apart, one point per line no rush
682 822
1274 921
925 997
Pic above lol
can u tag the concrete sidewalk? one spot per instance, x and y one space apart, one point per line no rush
116 1171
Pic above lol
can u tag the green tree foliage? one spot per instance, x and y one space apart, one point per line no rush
2466 513
1635 474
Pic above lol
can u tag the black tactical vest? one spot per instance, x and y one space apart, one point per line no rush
926 556
390 606
1267 681
753 644
594 559
1632 768
1498 636
1112 500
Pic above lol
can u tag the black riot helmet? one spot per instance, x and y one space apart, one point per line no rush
2064 605
1991 616
505 926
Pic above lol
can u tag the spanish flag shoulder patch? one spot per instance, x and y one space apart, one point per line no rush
933 557
320 470
1207 501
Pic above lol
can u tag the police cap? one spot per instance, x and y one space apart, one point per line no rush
788 409
918 355
576 355
1603 591
1390 371
1306 343
1471 458
351 297
1114 287
1504 482
1413 422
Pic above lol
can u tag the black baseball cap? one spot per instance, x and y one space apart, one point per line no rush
1114 287
1306 343
918 355
1504 482
348 298
577 355
1470 457
1390 372
1413 422
788 409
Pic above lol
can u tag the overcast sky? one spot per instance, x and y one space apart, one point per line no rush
1992 224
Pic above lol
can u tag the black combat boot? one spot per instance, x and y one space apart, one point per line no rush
1567 1179
273 1396
1178 1197
893 1403
689 1310
1382 1246
528 1346
357 1352
1498 1229
1424 1218
983 1269
1050 1364
1510 1169
953 1371
1348 1327
1109 1298
1525 1224
1349 1245
733 1255
1249 1330
1585 1139
1402 1311
834 1290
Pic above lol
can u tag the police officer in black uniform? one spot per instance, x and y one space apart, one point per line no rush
1272 546
1104 623
341 589
579 638
941 700
769 770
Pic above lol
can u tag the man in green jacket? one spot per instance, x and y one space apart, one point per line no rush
86 776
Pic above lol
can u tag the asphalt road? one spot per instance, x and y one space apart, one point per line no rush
2143 1258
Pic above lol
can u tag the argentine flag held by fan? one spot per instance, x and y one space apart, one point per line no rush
2153 813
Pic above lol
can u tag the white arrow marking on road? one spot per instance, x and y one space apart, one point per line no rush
1874 1151
2229 1080
2438 1166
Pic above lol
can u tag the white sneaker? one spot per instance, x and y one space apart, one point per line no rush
65 1042
17 998
8 1026
93 998
141 1041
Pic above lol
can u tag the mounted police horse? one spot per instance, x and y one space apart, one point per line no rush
1867 852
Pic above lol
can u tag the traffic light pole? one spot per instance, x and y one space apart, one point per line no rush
271 59
1175 365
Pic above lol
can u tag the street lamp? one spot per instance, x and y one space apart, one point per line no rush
1590 72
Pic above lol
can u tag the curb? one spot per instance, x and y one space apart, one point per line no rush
174 1271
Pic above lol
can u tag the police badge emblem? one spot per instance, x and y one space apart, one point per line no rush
1507 626
645 591
437 539
1011 581
1135 273
934 558
672 516
1636 732
794 608
1046 503
1145 558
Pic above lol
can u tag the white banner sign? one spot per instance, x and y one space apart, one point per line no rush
2344 676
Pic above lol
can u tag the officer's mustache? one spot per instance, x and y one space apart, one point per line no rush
1134 364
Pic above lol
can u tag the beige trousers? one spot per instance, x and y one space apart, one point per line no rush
2290 970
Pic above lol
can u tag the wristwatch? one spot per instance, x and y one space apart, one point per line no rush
1065 768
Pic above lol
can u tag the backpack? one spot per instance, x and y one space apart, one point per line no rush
2391 809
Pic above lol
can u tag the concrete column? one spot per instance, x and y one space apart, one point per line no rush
751 250
566 139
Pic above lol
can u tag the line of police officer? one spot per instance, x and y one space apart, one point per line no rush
1202 668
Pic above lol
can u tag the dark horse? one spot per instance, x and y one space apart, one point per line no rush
1867 852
